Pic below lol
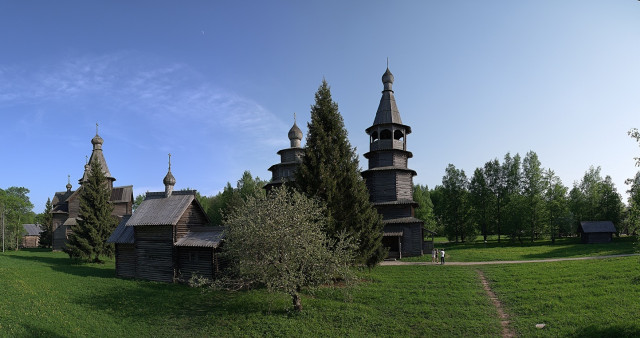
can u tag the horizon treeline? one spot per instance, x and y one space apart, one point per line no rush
520 200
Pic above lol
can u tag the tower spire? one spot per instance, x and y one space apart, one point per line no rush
69 183
169 181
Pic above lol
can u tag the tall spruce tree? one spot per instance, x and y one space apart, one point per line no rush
330 171
46 236
95 222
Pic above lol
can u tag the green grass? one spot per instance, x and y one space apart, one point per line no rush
505 251
577 299
43 294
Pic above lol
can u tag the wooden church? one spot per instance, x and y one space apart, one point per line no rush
290 158
66 204
168 238
389 180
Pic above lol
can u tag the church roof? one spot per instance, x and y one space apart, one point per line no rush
122 194
156 209
97 155
387 109
123 234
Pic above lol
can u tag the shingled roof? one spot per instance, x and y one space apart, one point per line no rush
156 209
205 237
123 234
597 226
32 229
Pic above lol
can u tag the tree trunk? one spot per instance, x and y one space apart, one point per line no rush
297 301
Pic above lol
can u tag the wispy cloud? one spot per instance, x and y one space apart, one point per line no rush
135 84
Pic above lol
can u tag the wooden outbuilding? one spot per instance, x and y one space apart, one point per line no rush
31 239
123 239
168 238
596 231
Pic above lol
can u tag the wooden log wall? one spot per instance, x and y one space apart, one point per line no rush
125 260
404 185
193 216
193 260
154 253
395 211
74 205
382 186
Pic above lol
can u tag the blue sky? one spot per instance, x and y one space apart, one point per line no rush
217 83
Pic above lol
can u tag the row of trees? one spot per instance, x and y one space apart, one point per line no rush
519 199
15 210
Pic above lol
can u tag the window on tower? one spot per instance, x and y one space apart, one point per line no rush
374 136
398 135
385 134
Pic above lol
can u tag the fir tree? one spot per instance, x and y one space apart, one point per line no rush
330 171
95 222
46 236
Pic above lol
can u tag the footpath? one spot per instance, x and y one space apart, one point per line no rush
394 263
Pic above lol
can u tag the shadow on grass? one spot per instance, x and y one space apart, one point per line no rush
66 265
610 331
33 331
154 301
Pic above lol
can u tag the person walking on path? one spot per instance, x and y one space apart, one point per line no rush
442 256
434 255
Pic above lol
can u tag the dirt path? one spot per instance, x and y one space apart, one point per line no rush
391 263
507 331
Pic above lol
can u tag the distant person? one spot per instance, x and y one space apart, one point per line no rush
442 256
434 255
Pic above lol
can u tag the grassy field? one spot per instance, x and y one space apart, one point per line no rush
574 299
43 294
493 251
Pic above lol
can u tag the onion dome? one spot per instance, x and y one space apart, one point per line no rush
387 79
295 133
97 140
68 186
169 179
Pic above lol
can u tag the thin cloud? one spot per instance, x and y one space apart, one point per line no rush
129 83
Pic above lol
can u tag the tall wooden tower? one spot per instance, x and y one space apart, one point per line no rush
388 178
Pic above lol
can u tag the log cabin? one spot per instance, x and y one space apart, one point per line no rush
168 238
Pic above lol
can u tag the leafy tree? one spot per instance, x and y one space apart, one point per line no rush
437 198
330 172
95 222
45 220
230 197
556 205
138 200
482 200
633 219
532 189
457 220
515 217
497 185
278 241
17 211
595 198
424 211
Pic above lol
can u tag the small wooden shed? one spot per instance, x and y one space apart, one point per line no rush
197 253
31 239
123 239
596 231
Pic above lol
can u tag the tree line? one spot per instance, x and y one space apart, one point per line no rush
520 200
